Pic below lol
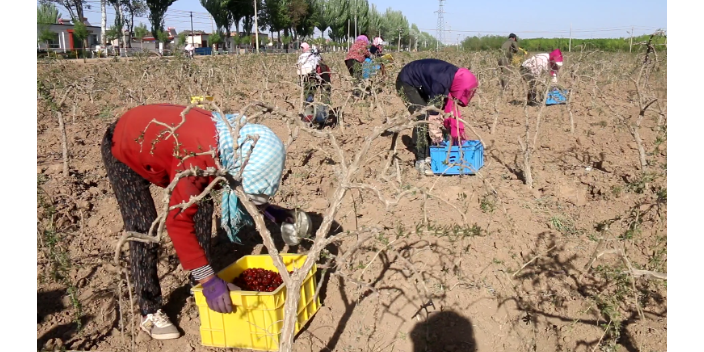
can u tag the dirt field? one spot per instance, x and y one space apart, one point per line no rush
507 267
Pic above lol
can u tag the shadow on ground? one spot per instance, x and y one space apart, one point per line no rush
443 331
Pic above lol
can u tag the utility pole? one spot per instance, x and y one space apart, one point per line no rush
630 46
256 27
192 42
570 48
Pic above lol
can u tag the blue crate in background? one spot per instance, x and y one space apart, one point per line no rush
204 51
472 153
556 96
369 69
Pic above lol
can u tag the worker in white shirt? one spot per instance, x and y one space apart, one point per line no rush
536 66
189 50
313 74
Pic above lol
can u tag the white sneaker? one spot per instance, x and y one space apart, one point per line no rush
424 168
159 327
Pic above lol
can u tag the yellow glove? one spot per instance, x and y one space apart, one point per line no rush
517 60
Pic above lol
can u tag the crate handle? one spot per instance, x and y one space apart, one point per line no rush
236 299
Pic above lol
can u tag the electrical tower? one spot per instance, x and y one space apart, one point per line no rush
441 23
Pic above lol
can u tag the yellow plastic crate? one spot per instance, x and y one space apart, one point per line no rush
195 100
257 318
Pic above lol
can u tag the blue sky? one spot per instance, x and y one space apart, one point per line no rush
589 19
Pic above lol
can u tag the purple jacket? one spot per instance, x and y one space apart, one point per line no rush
432 76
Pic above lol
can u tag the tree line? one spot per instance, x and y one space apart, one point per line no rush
291 20
493 42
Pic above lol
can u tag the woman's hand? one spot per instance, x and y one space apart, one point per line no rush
217 293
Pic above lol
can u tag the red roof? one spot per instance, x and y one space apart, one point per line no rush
150 38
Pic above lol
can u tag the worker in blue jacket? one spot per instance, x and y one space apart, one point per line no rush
438 83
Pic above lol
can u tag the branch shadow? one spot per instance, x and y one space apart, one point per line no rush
386 267
556 271
349 307
49 303
408 143
514 170
443 331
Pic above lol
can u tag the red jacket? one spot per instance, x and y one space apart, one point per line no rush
358 51
157 164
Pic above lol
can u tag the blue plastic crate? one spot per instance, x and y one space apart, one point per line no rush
369 69
556 96
472 153
204 51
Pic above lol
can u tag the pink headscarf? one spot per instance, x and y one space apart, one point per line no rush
555 59
363 38
378 41
556 56
463 87
305 47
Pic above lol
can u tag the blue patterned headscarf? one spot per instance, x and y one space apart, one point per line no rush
261 175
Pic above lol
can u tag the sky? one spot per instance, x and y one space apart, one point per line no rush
588 19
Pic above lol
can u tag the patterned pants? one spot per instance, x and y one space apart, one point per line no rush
533 84
138 213
415 100
311 84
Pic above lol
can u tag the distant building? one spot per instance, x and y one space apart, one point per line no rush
63 36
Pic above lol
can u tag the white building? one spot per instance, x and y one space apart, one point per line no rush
64 39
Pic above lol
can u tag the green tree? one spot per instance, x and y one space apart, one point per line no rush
238 9
414 33
47 14
220 13
246 40
375 22
46 36
304 17
135 8
275 15
395 27
140 32
360 8
336 14
215 39
112 33
162 36
80 32
157 9
181 41
73 7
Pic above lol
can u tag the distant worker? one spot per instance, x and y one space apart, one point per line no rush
509 51
355 57
538 64
189 50
377 49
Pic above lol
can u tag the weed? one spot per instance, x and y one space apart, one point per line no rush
640 184
57 255
453 232
106 112
487 203
563 225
